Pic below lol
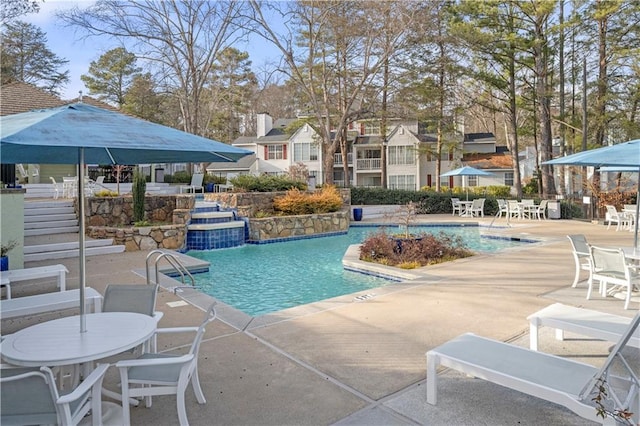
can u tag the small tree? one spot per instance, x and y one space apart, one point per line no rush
139 189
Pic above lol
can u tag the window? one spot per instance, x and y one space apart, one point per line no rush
371 128
305 152
472 180
406 182
508 178
399 155
275 152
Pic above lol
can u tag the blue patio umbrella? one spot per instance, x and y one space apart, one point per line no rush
623 155
81 134
466 171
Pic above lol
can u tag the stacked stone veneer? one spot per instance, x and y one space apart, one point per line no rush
277 227
252 204
112 217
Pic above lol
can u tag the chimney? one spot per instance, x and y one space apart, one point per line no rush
265 124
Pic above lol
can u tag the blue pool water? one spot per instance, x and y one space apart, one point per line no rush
264 278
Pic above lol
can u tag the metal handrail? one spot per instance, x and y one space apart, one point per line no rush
173 261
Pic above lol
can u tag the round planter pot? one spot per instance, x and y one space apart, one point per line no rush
357 214
4 263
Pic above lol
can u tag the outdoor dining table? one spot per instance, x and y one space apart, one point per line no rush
465 208
60 342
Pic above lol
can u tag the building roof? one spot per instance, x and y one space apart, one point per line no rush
18 97
243 164
426 138
94 102
479 137
492 161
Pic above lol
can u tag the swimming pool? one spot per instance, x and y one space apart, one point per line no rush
264 278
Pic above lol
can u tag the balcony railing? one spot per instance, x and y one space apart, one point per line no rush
368 164
337 159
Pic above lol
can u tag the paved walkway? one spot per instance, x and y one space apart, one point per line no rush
352 362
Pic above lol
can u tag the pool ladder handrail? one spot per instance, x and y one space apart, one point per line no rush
175 263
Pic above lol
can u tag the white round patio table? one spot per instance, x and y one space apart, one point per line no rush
59 342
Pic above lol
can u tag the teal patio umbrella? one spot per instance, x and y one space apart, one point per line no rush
81 134
466 171
622 157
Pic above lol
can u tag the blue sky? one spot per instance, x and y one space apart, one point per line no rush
64 42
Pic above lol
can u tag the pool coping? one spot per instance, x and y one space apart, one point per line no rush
403 279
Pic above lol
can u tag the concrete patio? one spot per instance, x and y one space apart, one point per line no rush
351 362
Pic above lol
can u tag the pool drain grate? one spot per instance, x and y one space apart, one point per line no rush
364 297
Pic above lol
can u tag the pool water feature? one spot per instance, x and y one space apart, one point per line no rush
264 278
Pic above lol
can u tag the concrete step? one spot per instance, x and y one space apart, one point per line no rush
64 254
32 205
212 215
50 217
48 231
50 224
220 225
69 245
48 211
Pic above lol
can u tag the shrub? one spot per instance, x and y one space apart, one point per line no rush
139 188
178 177
424 249
296 202
265 183
105 193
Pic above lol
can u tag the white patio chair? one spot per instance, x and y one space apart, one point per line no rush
609 266
56 189
562 381
477 207
165 374
137 298
456 207
195 185
514 209
613 216
581 255
527 208
29 396
503 207
541 210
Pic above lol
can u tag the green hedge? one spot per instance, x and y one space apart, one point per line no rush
266 183
431 202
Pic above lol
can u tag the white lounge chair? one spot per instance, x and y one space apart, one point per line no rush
562 381
165 374
195 185
609 267
9 278
586 322
581 255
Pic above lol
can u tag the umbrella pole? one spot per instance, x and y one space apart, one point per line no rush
81 252
635 235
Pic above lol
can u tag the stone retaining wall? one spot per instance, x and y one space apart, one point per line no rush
118 211
108 217
269 228
250 204
142 238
